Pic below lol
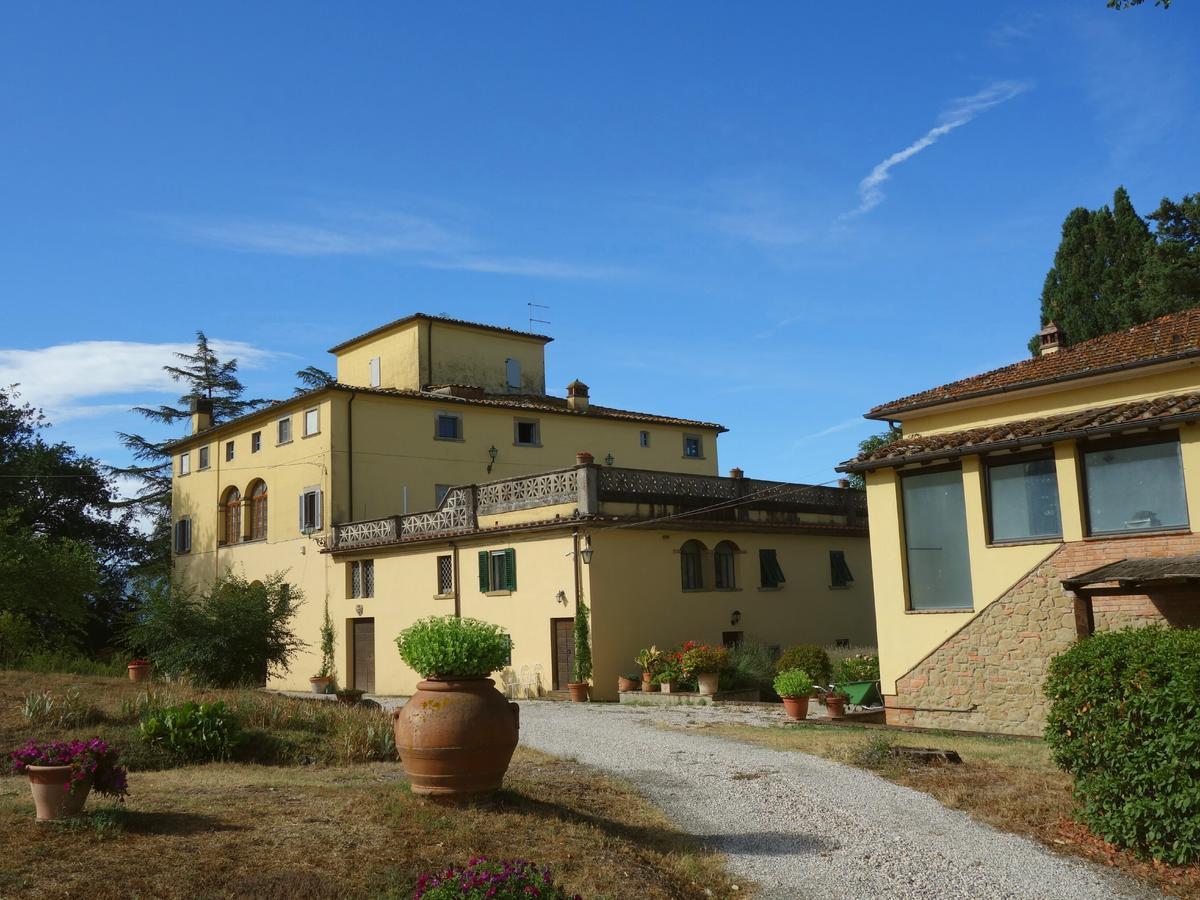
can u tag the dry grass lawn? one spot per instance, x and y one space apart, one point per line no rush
1009 783
328 830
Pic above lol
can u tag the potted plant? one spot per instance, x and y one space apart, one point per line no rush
139 669
650 659
835 703
582 667
628 682
457 734
349 696
794 686
325 681
669 676
62 773
705 663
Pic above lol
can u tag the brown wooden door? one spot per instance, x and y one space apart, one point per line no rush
563 635
364 655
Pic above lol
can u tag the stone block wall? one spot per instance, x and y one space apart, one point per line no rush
988 675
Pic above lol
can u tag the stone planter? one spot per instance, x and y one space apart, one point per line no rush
50 794
796 707
668 687
321 684
708 682
578 691
626 684
456 738
139 671
350 696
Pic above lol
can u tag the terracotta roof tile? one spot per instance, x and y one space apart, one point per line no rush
1106 419
1170 337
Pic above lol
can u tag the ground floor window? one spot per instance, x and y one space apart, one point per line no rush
935 538
1136 487
362 578
498 570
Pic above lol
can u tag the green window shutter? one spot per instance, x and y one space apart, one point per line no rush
510 569
483 572
770 574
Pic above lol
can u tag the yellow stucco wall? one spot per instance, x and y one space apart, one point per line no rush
399 360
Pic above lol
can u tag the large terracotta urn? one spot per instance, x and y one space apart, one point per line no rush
456 737
51 796
139 670
708 682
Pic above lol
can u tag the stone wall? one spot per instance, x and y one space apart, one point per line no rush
988 675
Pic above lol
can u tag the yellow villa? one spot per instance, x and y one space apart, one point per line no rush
1027 507
436 476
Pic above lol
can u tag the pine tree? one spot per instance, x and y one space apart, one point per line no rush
1172 278
312 378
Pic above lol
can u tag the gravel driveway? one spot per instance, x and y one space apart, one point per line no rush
804 827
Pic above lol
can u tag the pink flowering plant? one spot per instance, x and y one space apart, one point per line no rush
483 879
93 759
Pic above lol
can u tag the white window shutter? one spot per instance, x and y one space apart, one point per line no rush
317 514
376 380
302 511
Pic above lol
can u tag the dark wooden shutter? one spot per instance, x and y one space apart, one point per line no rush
364 655
564 652
510 569
483 571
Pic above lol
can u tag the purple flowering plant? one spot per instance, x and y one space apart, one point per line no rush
93 759
482 879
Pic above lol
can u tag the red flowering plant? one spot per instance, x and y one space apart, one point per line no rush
92 759
700 659
482 879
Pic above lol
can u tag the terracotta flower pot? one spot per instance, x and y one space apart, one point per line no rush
139 671
626 684
649 687
708 682
796 707
320 684
456 737
579 691
50 794
835 706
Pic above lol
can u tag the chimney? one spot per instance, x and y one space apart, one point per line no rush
1052 339
844 483
202 409
577 396
736 473
583 458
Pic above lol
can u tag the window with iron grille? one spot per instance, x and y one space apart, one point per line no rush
445 574
362 578
770 573
691 562
839 572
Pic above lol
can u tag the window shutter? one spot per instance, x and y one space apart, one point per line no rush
317 513
483 572
187 535
302 511
510 569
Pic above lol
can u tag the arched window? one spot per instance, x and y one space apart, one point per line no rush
256 509
691 560
724 556
231 507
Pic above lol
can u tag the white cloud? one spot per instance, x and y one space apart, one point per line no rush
61 379
960 112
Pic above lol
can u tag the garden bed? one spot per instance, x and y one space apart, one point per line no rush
688 698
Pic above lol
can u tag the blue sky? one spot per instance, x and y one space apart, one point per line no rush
771 216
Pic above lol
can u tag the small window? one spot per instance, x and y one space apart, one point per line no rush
256 442
312 422
285 430
445 574
691 565
527 433
376 378
202 458
229 451
310 510
498 570
839 571
693 447
185 463
183 535
1136 487
439 493
362 578
842 643
770 574
725 558
644 438
512 373
732 639
448 427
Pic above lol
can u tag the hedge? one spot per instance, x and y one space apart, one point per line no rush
1125 721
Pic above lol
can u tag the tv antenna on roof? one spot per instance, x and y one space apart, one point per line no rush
532 318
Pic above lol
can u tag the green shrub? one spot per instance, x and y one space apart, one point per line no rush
236 633
582 668
749 664
810 658
17 639
793 683
70 662
198 732
857 668
1125 721
445 646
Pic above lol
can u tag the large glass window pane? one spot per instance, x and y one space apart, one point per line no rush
1135 488
935 533
1024 500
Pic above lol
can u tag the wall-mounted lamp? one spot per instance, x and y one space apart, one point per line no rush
609 460
493 453
561 597
735 617
586 552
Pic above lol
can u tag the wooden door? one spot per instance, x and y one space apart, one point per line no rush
563 634
364 655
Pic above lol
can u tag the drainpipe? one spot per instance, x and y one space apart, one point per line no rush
350 453
575 563
457 592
